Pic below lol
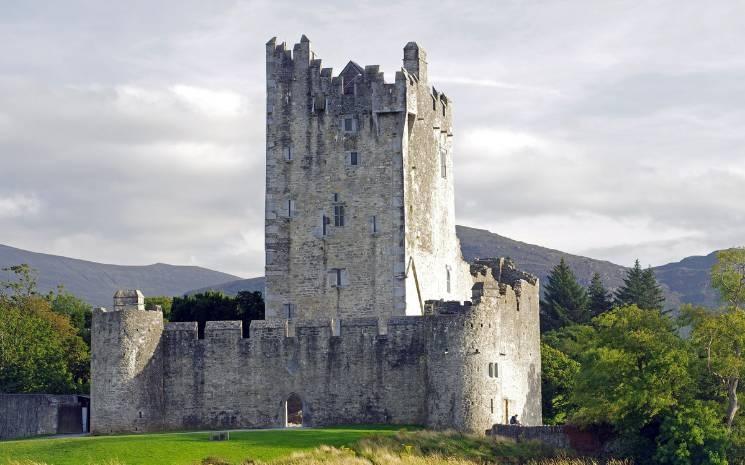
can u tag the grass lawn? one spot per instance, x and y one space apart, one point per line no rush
183 448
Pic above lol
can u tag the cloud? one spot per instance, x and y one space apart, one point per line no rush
19 205
132 135
469 81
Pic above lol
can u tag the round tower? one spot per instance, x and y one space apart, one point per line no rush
126 366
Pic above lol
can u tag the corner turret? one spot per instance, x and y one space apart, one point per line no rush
415 61
126 366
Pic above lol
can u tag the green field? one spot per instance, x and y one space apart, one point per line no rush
181 448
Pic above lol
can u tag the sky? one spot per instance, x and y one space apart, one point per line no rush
133 132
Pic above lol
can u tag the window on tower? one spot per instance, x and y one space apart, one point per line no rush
339 216
350 124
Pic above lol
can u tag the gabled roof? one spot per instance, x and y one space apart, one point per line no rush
351 70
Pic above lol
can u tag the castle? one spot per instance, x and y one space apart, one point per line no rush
372 315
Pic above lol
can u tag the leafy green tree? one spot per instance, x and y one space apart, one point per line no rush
692 434
40 350
640 288
600 300
728 276
557 378
79 311
633 369
165 302
720 339
564 300
216 306
250 306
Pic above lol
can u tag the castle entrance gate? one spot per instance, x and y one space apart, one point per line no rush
293 411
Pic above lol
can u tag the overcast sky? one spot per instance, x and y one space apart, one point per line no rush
133 132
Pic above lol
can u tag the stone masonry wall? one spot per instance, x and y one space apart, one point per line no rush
24 415
397 245
430 370
306 113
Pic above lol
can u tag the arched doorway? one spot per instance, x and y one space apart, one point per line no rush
293 411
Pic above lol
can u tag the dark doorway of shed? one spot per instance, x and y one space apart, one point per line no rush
293 411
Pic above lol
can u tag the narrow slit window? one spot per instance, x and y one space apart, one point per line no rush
374 224
443 162
447 278
353 158
287 153
325 221
496 370
339 216
289 311
491 370
290 208
336 196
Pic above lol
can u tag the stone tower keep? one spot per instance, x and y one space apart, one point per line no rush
359 189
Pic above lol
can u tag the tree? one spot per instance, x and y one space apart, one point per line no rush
728 276
633 369
564 301
165 302
216 306
22 282
557 378
720 338
40 350
599 298
640 288
692 434
79 311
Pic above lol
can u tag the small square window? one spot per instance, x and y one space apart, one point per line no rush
350 124
336 277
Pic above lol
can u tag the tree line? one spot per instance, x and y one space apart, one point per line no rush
665 382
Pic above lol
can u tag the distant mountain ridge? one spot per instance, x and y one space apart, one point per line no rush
686 281
97 282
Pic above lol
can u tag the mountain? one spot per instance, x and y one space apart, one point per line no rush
686 281
535 259
689 278
96 282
